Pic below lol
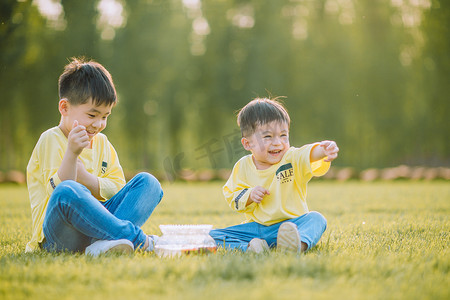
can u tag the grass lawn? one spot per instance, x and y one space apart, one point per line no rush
384 241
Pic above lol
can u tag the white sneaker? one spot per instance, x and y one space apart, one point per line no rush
288 238
257 246
114 246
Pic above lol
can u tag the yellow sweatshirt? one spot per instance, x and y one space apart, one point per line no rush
286 182
42 177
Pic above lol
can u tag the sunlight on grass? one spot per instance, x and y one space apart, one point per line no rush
383 241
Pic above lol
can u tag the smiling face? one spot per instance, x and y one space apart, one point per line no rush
268 144
91 116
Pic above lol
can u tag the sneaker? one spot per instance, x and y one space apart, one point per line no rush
152 240
257 246
105 246
288 238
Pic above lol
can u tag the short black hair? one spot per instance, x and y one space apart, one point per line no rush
261 111
83 80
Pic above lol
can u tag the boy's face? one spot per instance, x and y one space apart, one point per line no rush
88 115
268 144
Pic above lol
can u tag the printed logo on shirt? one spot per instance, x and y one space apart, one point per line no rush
285 173
236 201
104 165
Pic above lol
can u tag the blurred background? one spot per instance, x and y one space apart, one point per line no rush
373 75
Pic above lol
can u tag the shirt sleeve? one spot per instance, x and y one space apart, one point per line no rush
237 192
53 182
113 179
50 155
42 179
302 158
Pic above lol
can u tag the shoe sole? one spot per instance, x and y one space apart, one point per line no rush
288 238
258 246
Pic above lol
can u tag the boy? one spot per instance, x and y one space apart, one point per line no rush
79 199
269 186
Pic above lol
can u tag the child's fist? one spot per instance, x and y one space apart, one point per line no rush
330 150
78 138
258 194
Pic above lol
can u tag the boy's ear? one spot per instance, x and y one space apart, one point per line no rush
63 106
246 144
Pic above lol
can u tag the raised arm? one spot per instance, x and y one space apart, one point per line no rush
77 141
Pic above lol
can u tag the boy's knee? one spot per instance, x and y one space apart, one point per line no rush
152 182
146 177
67 187
318 218
66 191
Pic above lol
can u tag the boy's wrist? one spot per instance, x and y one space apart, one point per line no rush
76 152
71 156
317 153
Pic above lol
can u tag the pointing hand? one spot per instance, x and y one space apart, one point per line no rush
330 150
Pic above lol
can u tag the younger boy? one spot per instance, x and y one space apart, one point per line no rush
79 199
269 186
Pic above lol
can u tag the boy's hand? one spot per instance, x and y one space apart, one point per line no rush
330 150
258 194
78 138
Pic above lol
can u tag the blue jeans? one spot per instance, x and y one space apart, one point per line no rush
75 219
310 226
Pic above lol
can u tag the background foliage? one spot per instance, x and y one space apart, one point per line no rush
371 74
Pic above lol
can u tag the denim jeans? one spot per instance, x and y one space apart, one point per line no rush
310 226
75 219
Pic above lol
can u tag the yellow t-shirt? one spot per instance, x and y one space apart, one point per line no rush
286 182
42 178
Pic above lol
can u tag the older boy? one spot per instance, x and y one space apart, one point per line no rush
269 186
79 199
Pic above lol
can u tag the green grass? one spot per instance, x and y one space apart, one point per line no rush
384 241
